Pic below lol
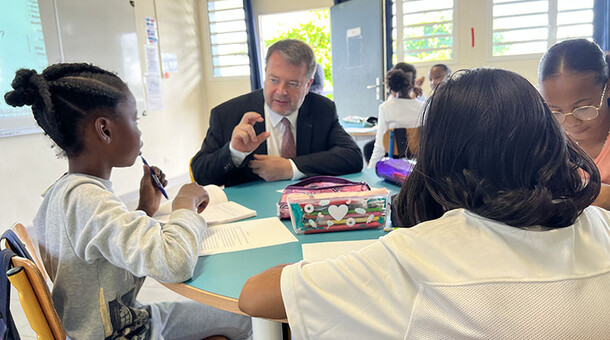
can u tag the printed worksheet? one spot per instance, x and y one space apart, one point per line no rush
244 235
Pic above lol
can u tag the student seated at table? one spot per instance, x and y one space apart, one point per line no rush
504 244
96 252
399 111
575 82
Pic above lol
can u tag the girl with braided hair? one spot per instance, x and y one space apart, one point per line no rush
96 252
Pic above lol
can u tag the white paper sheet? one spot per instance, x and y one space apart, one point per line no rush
224 238
330 250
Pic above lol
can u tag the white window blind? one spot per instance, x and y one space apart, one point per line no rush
532 26
228 38
422 30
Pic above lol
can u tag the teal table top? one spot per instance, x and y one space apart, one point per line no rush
225 274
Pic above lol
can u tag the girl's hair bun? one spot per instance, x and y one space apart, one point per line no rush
26 88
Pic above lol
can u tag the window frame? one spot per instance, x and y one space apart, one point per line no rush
454 35
209 34
551 39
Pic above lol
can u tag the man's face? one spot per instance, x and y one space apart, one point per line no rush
285 85
436 76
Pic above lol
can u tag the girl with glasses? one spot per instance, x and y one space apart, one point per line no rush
573 77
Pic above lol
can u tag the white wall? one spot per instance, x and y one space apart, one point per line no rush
171 136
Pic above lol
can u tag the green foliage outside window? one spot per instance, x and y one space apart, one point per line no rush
315 35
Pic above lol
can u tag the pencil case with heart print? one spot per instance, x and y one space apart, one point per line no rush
336 211
318 184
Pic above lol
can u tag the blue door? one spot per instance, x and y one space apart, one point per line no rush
357 53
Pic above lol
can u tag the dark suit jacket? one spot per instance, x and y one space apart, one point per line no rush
323 146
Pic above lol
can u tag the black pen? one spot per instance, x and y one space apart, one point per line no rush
155 178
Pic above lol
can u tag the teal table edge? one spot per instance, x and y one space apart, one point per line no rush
225 274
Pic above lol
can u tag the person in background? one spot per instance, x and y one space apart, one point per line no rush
504 244
317 86
438 73
280 132
399 111
574 80
96 252
417 91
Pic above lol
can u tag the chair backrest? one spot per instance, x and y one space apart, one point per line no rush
35 299
401 142
23 235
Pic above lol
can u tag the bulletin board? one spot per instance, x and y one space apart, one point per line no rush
34 34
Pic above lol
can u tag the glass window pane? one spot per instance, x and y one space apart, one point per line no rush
228 60
418 56
228 38
521 35
230 49
426 5
233 14
224 4
422 18
229 26
427 30
574 31
232 71
429 43
576 17
563 5
521 8
521 22
520 48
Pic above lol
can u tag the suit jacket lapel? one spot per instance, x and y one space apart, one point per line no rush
260 127
304 129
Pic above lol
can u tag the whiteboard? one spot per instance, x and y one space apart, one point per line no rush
102 33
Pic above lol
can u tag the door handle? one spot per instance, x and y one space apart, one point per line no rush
377 86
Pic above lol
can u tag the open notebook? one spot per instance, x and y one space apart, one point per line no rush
219 210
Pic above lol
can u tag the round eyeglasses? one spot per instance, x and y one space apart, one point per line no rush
588 112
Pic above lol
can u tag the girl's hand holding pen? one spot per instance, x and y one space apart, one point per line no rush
191 196
150 194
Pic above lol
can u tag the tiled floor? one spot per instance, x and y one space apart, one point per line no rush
151 291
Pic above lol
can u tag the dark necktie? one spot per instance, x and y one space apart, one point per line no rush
289 149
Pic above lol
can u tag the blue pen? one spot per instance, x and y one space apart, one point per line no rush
155 178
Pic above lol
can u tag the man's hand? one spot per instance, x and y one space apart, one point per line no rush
244 138
419 82
271 168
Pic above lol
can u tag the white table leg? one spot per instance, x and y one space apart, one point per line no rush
263 329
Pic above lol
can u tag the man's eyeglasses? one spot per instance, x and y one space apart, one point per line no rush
583 113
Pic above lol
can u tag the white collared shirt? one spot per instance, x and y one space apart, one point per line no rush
272 124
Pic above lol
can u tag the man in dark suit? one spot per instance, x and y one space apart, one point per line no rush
280 132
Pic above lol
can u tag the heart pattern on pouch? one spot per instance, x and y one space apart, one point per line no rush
338 212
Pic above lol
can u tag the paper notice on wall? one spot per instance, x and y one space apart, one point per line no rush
152 59
151 31
154 99
169 62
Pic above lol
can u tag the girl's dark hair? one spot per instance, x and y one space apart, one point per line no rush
63 95
490 145
398 80
576 55
406 68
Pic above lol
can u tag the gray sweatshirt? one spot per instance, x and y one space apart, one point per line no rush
97 254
